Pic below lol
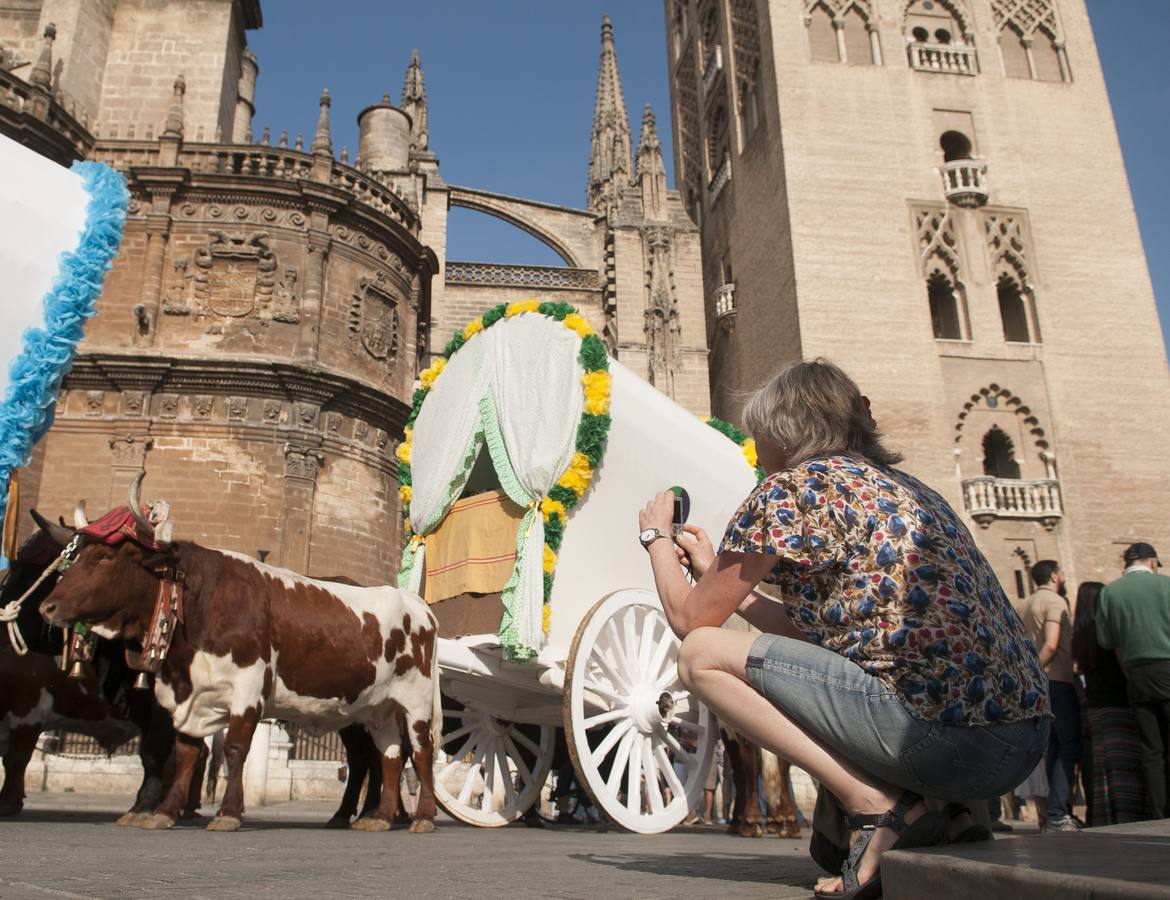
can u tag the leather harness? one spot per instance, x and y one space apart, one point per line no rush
167 615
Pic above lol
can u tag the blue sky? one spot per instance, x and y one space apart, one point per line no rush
511 83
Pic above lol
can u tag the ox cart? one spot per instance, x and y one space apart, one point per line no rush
528 455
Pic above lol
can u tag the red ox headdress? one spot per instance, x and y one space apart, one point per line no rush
145 524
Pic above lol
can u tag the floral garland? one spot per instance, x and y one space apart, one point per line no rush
591 431
746 444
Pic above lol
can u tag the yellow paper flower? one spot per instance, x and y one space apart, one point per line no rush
597 386
405 493
550 559
521 306
749 452
406 527
403 452
550 508
428 376
474 327
578 323
578 475
546 617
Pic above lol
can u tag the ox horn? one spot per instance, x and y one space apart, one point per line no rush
80 520
58 533
145 528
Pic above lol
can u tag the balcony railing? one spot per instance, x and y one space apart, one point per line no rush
712 68
725 306
965 182
953 59
722 176
988 498
543 277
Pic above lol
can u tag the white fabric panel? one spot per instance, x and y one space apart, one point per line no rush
443 430
535 378
42 213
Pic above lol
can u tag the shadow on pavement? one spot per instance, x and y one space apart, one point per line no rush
718 866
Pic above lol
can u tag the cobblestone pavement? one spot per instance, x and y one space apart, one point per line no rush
66 846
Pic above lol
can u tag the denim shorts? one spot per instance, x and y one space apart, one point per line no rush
856 715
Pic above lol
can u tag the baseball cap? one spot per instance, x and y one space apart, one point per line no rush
1138 551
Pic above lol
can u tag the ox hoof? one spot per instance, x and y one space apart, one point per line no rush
157 822
753 830
338 822
370 824
224 823
132 819
422 826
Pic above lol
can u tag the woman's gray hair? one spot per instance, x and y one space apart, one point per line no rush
812 409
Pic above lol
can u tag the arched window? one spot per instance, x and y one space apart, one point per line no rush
933 21
822 37
716 139
955 146
1015 55
1015 311
946 315
1030 40
858 48
999 454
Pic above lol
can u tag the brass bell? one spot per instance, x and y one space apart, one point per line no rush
80 669
142 682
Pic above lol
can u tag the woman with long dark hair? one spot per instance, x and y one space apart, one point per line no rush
1115 789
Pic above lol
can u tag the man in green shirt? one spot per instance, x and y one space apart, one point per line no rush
1133 616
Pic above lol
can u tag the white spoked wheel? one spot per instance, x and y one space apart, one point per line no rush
629 720
492 770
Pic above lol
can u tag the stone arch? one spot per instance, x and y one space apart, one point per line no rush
512 213
957 11
999 452
994 396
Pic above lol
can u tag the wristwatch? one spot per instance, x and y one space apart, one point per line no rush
649 536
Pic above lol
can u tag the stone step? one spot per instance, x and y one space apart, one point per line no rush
1121 862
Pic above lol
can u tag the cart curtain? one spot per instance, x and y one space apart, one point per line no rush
516 386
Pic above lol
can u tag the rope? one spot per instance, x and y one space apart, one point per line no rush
10 611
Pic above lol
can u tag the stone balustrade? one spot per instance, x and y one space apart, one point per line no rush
542 277
47 123
988 498
711 68
725 305
965 182
262 161
952 59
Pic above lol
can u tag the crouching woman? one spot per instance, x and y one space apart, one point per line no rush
893 669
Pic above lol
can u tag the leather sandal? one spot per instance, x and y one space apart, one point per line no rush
972 834
927 830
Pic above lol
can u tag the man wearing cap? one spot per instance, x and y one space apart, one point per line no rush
1047 616
1133 616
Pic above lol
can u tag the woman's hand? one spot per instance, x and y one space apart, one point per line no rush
658 513
695 549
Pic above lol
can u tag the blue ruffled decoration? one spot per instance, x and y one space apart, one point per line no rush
29 404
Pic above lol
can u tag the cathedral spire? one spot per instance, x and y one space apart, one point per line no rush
609 161
173 126
414 103
323 141
651 172
42 73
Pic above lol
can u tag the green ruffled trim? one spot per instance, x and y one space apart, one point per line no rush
406 570
509 639
494 439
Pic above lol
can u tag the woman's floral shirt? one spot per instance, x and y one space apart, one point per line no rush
877 567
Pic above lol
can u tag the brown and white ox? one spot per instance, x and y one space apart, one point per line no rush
748 761
256 641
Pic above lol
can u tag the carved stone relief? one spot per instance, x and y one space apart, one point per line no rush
95 403
129 451
661 323
374 320
307 415
272 411
133 403
168 405
233 276
202 406
302 462
237 407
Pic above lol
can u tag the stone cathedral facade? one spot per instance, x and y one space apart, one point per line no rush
258 338
931 193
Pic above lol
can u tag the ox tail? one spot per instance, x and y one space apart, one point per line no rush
437 708
772 778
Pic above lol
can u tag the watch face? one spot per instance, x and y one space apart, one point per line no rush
648 535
